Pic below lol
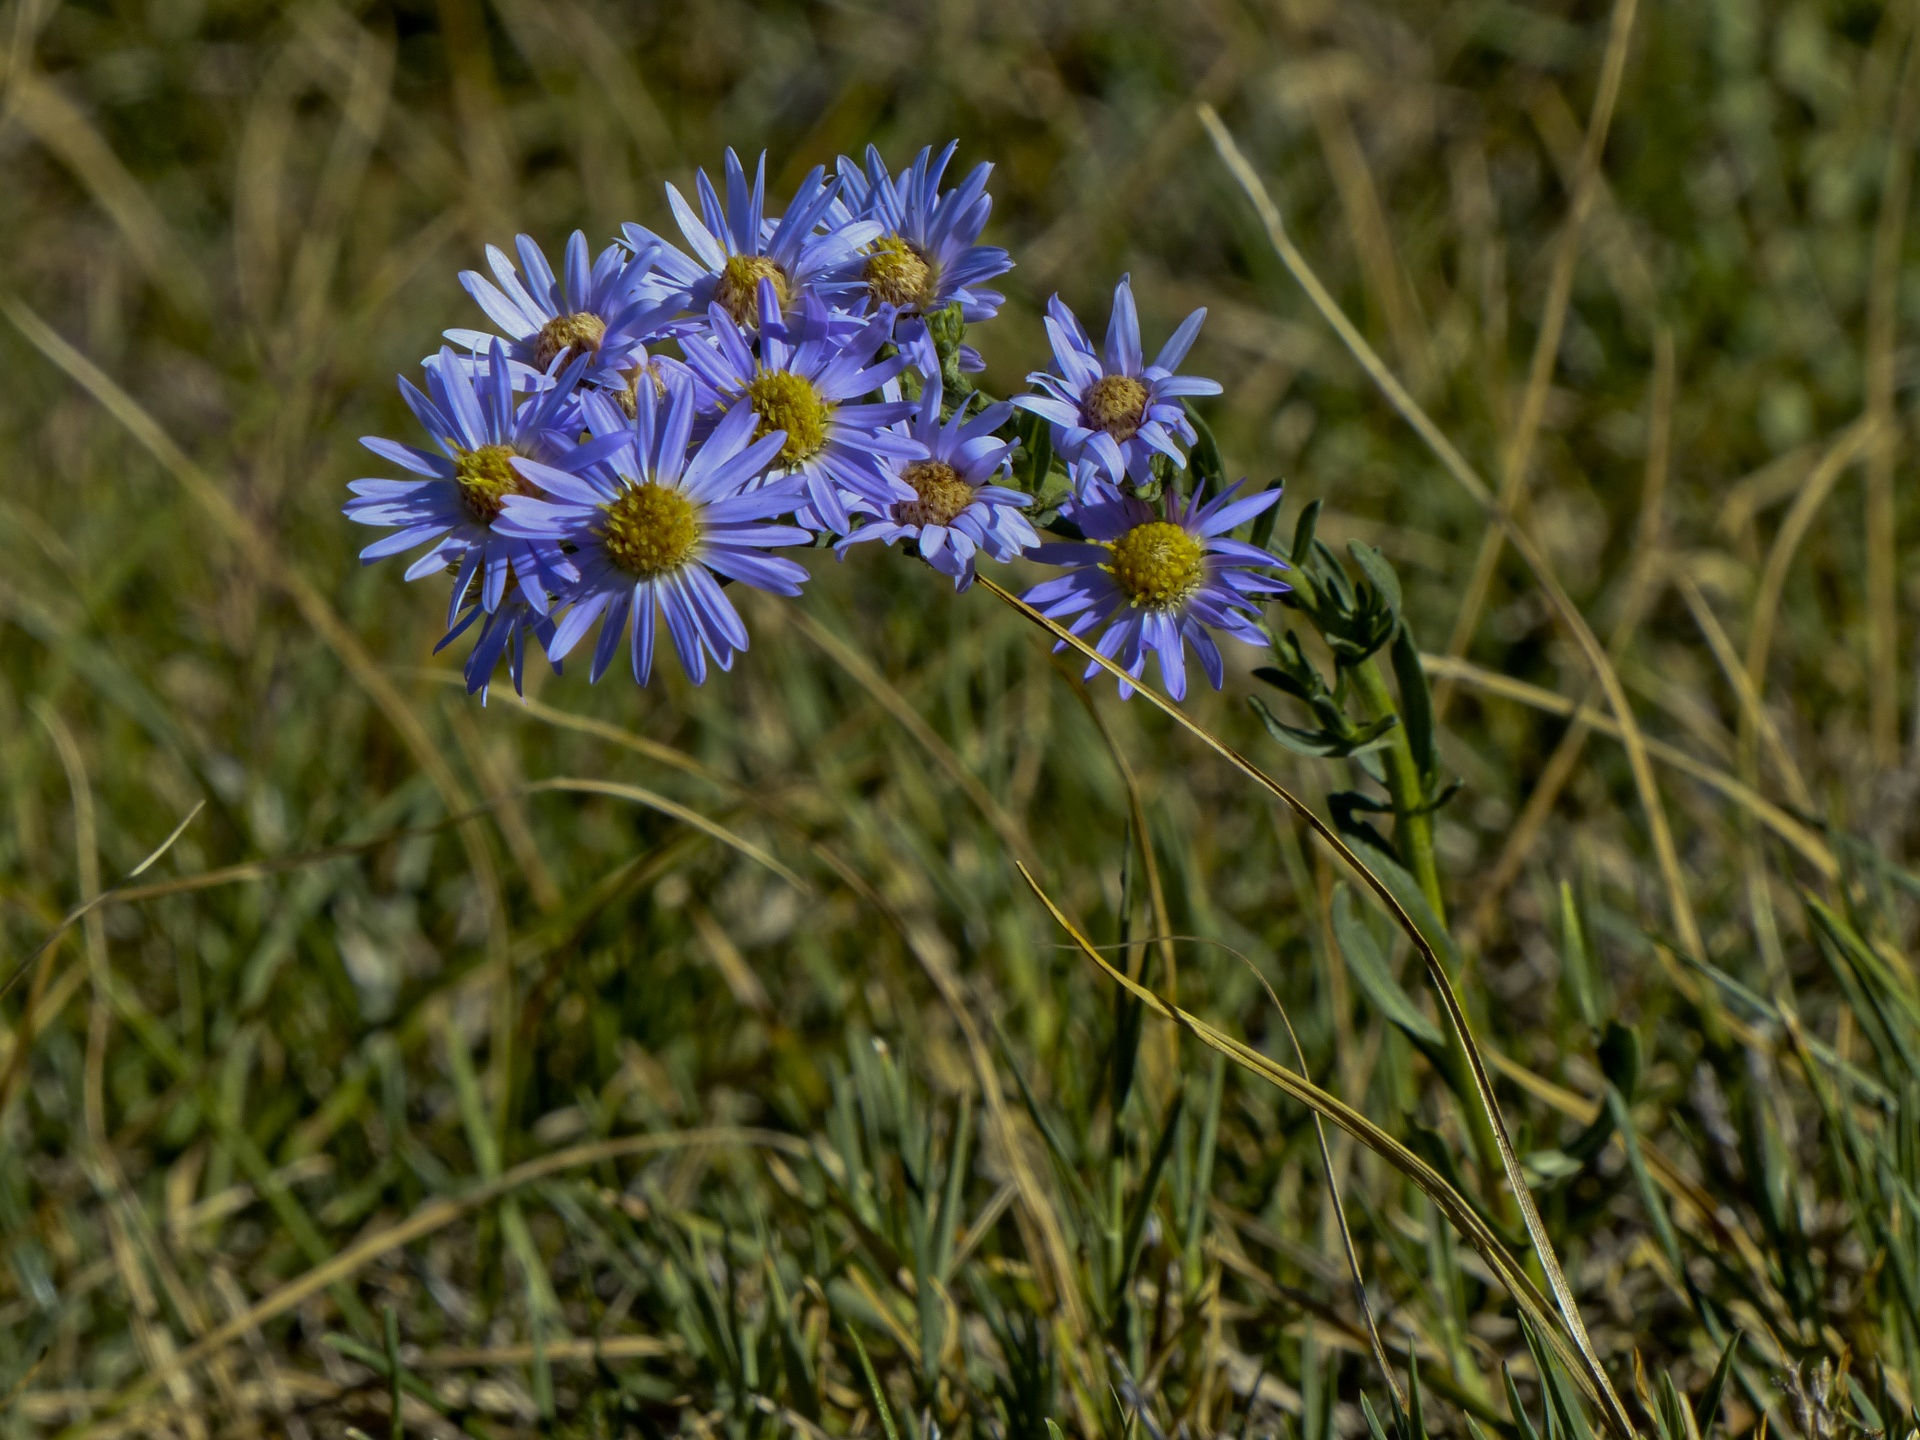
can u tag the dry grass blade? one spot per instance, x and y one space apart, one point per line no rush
1366 219
603 730
1752 708
1332 1176
1574 1326
1517 457
1451 1203
639 795
1848 447
260 869
1880 531
57 123
1665 852
1638 594
41 962
1809 845
122 891
934 957
895 704
1156 892
610 1347
134 1247
271 568
434 1215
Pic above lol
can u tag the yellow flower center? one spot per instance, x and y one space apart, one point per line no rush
1157 564
486 477
738 289
943 494
650 530
898 274
786 401
1116 404
581 331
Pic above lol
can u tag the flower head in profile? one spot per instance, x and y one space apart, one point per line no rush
927 255
957 512
599 311
1159 582
479 426
807 381
650 527
736 247
1112 407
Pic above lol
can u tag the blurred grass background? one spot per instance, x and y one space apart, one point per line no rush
249 217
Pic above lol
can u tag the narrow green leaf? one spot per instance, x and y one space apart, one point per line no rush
1650 1196
1202 1189
1303 529
1322 744
1136 1228
1565 1406
1521 1420
1261 536
1576 960
1407 891
1205 457
954 1195
395 1374
1380 574
1706 1409
1367 963
375 1359
1416 704
880 1405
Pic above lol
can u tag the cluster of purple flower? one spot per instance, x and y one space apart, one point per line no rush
650 425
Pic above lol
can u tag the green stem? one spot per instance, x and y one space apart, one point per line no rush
1412 823
1413 834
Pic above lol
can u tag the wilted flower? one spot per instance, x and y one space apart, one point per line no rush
956 511
1163 580
650 526
1120 413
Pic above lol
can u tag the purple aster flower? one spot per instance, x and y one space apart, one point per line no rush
927 255
807 382
957 512
1121 412
738 247
604 312
1162 581
480 427
650 527
503 632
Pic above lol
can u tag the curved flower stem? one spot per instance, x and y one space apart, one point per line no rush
1412 821
1413 834
1686 925
1587 1364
